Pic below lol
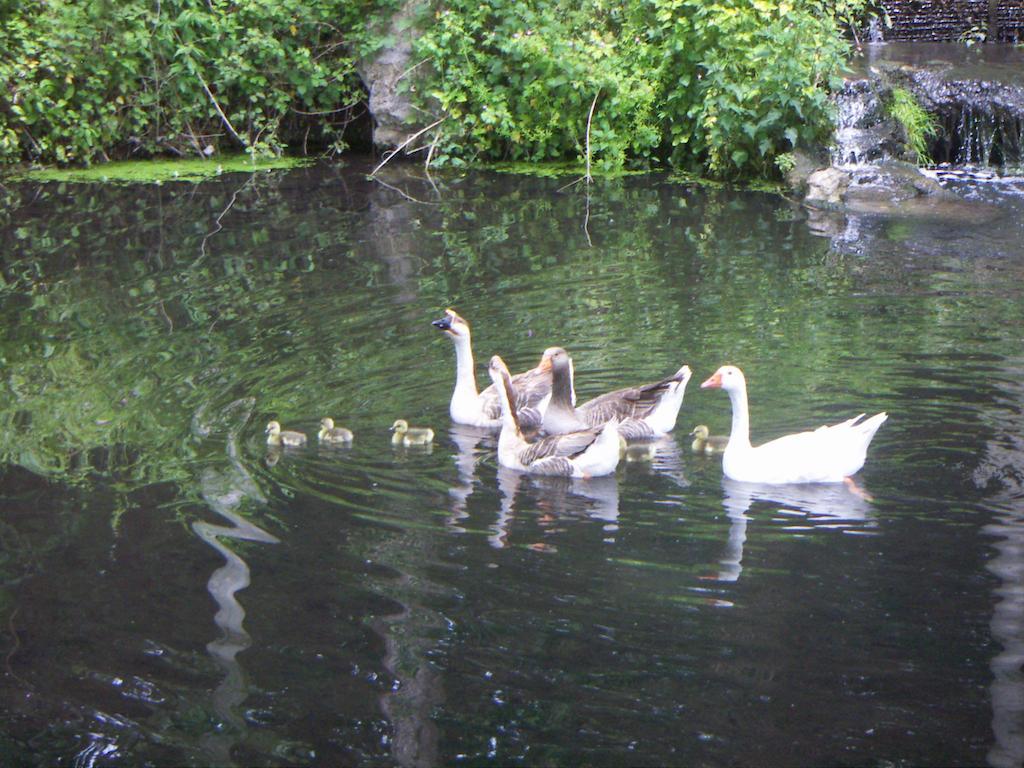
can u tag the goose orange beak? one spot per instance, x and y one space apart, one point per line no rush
714 382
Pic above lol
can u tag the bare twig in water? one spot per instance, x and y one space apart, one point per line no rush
406 195
590 118
430 153
14 650
170 323
404 144
426 165
586 220
221 215
586 176
572 183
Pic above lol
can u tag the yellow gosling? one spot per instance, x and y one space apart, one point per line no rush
406 435
277 437
331 434
703 442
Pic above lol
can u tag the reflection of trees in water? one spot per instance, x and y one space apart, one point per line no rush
408 637
1001 472
227 491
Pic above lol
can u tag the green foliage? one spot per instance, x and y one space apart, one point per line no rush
88 78
719 87
917 124
159 171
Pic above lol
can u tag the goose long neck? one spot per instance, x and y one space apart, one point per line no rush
508 415
561 386
465 378
740 436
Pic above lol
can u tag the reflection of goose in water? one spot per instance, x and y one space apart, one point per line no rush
818 502
227 491
596 498
467 441
657 457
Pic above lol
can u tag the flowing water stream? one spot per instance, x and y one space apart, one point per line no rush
175 593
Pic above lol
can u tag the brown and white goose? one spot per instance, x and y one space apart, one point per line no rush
589 452
646 411
483 409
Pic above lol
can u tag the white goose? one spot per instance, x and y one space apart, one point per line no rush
587 453
829 454
646 411
532 388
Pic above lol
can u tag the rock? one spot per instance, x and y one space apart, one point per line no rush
391 76
805 163
826 188
891 188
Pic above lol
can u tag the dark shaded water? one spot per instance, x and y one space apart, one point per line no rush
173 594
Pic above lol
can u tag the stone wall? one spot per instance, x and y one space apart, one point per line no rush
945 20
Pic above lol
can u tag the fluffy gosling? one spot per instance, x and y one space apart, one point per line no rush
704 442
406 435
331 434
276 437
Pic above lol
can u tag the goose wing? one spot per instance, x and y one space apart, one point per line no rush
553 465
628 403
530 388
559 446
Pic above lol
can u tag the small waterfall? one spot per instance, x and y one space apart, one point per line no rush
874 34
859 125
976 97
973 136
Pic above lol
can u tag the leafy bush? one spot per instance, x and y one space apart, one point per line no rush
723 87
90 77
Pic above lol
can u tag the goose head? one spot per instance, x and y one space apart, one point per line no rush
556 357
273 428
547 359
701 432
497 370
400 426
453 325
327 423
502 379
728 377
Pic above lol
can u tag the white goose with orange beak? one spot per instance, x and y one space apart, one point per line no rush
829 454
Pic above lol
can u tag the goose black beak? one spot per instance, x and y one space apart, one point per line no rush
443 324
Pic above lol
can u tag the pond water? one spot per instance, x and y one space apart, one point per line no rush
173 593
